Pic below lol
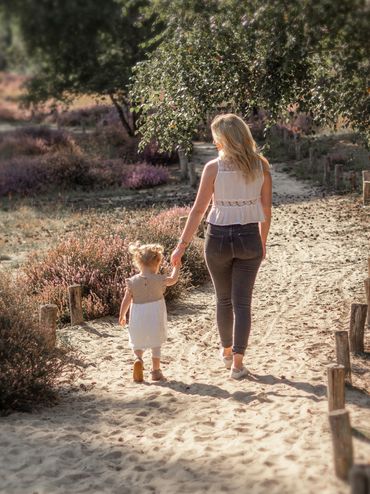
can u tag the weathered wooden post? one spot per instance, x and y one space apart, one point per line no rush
357 327
342 352
336 392
342 442
183 164
366 187
359 479
48 323
327 173
353 181
75 304
192 173
368 267
367 291
338 176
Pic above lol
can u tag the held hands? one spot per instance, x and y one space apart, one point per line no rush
177 255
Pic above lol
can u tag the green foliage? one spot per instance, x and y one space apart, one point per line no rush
240 55
81 46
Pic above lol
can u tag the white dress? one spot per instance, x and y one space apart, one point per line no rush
148 317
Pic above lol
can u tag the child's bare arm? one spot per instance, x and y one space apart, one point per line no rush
174 276
125 304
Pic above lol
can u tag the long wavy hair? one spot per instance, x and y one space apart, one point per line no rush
238 146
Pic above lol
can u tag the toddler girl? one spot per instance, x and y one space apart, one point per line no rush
148 316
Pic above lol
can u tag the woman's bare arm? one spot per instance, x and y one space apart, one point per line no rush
200 206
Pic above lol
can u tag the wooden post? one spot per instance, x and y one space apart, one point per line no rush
368 267
192 173
311 158
366 175
342 442
357 327
366 193
342 351
338 176
48 323
183 164
353 180
326 175
367 291
336 396
75 304
359 479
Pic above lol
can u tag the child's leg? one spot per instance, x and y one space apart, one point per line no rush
139 353
156 358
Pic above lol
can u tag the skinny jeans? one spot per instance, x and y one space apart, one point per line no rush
233 255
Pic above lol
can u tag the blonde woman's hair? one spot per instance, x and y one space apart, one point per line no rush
238 145
146 255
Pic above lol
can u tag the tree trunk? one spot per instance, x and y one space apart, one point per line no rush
121 114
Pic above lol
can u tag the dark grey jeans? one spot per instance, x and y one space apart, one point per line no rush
233 255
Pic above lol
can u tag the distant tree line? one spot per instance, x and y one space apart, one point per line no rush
171 63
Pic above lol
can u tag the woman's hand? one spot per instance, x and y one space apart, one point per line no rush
263 250
177 255
122 320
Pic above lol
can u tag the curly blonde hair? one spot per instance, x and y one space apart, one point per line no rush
146 255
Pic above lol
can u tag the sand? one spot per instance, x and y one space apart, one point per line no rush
201 431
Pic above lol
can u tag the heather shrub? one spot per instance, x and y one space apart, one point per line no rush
52 138
151 154
99 261
30 373
142 175
29 175
11 146
86 116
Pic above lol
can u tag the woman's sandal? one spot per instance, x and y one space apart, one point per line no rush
157 375
138 374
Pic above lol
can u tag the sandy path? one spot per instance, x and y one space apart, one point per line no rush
200 431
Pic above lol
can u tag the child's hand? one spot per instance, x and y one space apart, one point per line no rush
122 320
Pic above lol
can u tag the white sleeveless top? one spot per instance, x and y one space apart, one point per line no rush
235 201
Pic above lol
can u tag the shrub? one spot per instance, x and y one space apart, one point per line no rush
151 154
11 146
28 175
29 372
100 262
143 175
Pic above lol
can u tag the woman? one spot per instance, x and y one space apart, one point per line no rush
239 182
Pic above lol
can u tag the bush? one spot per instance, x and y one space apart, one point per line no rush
32 141
100 262
29 175
29 372
143 175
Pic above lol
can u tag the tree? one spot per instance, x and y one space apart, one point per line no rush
83 47
237 55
